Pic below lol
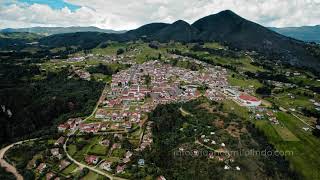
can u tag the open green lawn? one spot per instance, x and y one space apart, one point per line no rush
231 106
70 169
98 150
285 133
243 82
93 176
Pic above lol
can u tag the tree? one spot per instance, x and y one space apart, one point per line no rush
265 91
120 51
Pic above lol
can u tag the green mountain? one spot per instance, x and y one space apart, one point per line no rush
178 31
12 39
225 27
239 33
60 30
145 30
304 33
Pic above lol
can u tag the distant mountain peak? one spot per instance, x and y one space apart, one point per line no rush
181 22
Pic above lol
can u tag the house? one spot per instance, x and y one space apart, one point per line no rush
90 128
60 141
126 160
120 169
49 175
63 164
105 142
128 154
238 168
63 127
91 159
226 167
161 178
106 166
116 145
41 167
141 162
55 151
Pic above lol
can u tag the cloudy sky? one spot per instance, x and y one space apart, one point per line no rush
129 14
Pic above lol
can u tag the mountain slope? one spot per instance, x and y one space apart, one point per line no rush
11 40
145 30
85 40
237 32
304 33
178 31
60 30
225 27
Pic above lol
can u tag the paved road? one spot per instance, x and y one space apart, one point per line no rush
10 168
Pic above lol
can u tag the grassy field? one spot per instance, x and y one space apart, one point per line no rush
285 133
305 153
93 176
231 106
243 82
70 169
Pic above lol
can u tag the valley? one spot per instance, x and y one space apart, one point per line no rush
219 98
174 103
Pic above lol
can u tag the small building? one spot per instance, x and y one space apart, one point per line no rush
120 169
49 175
106 166
141 162
249 101
41 167
63 164
91 159
60 141
161 178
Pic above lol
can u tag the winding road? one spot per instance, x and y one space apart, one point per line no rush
10 168
81 165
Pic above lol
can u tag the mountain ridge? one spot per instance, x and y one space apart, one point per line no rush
304 33
60 30
225 27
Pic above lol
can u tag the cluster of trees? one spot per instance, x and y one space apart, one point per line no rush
36 104
169 135
203 59
186 64
316 131
217 52
107 69
5 175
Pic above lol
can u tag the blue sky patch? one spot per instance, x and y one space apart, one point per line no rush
54 4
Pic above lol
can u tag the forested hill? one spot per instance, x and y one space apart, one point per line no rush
28 105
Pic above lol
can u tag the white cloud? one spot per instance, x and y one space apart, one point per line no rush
128 14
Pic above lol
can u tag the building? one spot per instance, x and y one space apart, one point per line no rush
41 167
60 141
49 175
141 162
91 159
106 166
249 101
